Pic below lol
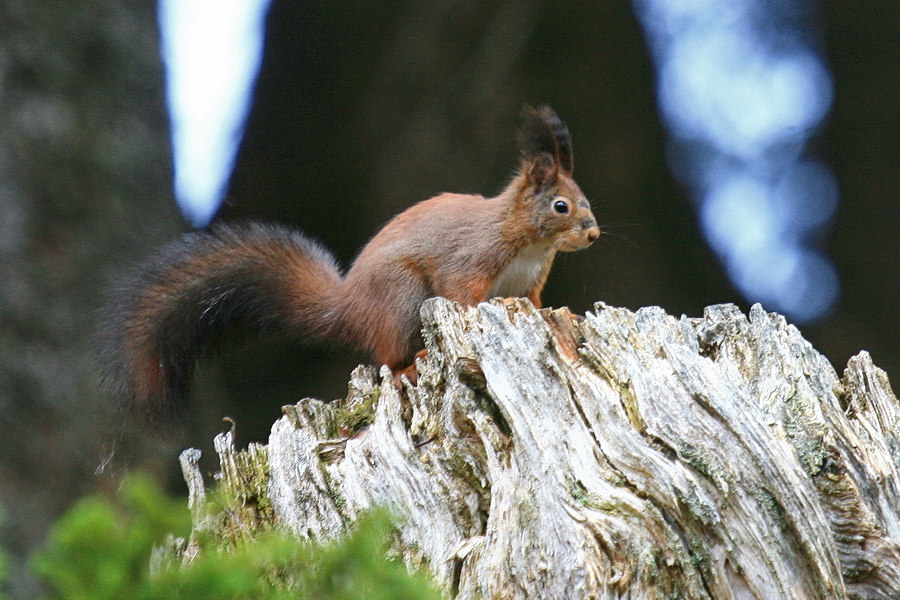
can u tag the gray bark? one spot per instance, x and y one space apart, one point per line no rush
619 455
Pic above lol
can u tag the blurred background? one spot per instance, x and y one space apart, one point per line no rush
736 153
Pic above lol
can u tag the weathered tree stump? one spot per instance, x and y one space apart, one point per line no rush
619 455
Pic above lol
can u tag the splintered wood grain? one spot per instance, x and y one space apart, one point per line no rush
617 455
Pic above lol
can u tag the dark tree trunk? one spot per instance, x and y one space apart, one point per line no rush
84 189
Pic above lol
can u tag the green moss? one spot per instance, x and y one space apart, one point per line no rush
771 505
649 560
705 463
578 492
697 458
700 556
340 502
355 416
805 432
464 471
240 505
700 509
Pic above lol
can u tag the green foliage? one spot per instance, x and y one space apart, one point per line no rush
275 566
357 567
101 550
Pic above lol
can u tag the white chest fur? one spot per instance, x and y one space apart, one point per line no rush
521 274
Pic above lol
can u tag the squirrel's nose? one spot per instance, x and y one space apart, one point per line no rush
592 234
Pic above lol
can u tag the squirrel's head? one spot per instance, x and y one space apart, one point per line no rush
559 210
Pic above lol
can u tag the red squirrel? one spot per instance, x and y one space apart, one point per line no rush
465 248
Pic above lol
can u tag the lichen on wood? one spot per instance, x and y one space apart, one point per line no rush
617 455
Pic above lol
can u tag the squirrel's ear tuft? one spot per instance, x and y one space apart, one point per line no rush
544 135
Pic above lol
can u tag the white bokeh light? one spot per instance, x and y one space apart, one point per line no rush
212 51
741 94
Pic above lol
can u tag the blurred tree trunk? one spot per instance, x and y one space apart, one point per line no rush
84 188
621 455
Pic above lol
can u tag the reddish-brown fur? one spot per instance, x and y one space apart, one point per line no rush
462 247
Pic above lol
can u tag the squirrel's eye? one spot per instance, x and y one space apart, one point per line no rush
561 206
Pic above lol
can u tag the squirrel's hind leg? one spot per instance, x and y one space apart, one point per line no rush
411 372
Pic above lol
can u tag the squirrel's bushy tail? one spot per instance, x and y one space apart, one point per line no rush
159 323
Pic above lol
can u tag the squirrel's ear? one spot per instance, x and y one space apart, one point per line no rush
544 133
540 170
